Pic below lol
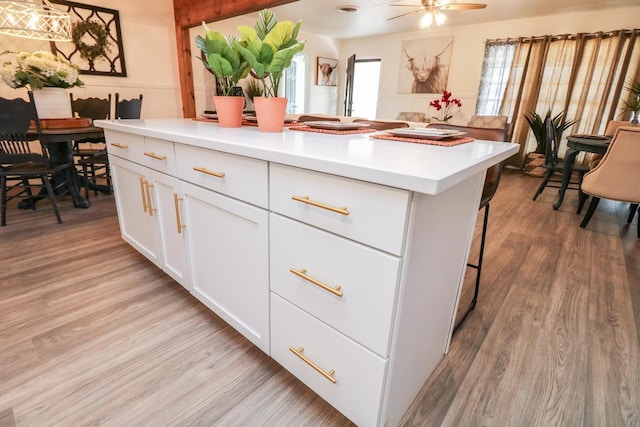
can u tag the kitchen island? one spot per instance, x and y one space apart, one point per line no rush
340 256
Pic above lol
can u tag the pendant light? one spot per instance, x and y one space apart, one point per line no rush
34 19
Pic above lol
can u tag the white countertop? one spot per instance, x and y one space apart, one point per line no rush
423 168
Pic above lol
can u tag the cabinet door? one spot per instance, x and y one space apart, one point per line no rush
229 260
167 202
133 201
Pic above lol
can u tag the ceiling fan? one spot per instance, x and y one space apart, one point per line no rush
433 11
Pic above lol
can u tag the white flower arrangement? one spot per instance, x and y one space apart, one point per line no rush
39 69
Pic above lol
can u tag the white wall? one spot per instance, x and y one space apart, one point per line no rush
148 33
468 50
318 99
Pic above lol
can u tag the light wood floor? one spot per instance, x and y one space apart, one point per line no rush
93 334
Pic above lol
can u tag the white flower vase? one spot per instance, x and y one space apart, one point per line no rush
52 103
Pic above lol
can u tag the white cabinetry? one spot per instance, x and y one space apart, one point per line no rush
148 202
318 356
168 202
170 220
336 263
137 225
228 256
341 257
228 238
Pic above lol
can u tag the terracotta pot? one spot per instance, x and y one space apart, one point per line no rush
270 113
229 110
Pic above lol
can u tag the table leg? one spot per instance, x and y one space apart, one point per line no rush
569 160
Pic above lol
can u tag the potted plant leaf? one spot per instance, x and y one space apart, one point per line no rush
538 125
269 48
221 58
254 89
634 104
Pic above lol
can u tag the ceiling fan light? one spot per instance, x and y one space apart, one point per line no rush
440 17
426 21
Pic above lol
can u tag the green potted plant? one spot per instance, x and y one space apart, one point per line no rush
269 48
538 125
224 61
634 104
254 89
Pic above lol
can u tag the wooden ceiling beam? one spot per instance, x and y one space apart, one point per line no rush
191 13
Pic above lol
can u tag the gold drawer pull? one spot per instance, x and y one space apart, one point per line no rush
303 273
147 186
144 198
177 199
155 156
208 172
305 199
327 375
124 147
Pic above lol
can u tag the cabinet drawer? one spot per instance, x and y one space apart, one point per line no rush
359 374
159 155
240 177
362 307
368 213
125 145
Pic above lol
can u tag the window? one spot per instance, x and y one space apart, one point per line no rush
496 68
582 75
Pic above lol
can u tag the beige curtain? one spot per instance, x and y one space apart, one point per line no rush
581 74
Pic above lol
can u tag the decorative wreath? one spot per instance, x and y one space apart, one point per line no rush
97 32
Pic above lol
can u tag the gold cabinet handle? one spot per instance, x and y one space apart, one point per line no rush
327 375
144 199
303 273
154 155
308 201
147 187
124 147
176 201
208 172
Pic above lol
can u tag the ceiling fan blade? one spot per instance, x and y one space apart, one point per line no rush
404 5
462 6
405 14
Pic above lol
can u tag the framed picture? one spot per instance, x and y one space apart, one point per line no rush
424 65
96 45
326 71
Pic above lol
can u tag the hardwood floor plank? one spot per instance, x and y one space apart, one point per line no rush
91 333
614 372
532 364
6 418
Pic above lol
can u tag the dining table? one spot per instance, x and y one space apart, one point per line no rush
597 144
59 139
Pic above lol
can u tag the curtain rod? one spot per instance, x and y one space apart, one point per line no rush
529 39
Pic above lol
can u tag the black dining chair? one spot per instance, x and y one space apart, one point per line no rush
19 164
128 109
555 167
95 109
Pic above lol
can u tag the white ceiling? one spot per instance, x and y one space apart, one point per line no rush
322 17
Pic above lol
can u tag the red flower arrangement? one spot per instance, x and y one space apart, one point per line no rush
444 105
